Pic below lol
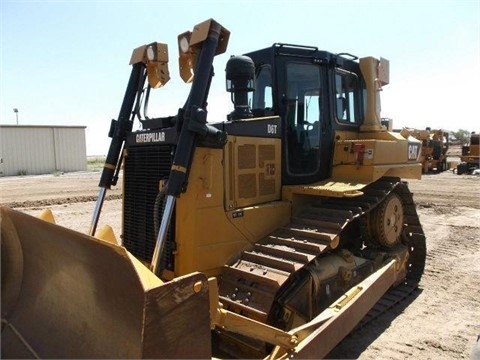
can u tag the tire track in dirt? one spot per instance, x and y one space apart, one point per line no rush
451 266
36 204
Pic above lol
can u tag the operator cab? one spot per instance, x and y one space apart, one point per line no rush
315 93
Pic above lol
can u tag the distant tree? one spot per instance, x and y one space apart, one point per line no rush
462 136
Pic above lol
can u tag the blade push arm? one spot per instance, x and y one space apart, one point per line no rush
207 40
147 61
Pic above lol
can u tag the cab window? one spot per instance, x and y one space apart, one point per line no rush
346 86
262 102
303 118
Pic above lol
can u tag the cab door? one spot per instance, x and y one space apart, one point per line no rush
303 105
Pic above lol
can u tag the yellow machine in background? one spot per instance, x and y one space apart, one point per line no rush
270 234
470 159
435 144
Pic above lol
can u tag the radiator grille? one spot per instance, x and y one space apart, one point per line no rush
144 167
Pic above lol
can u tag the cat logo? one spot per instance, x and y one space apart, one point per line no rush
413 151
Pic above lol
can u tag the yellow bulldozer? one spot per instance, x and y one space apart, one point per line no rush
272 233
435 144
470 159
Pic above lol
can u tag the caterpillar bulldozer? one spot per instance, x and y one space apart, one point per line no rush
272 233
435 144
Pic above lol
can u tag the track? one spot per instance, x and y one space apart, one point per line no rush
415 238
250 285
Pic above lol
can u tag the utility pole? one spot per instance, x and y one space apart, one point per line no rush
15 110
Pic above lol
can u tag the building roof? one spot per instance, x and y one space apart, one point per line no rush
42 126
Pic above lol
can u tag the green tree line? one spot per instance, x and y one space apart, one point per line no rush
462 136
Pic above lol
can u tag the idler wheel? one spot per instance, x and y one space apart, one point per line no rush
386 222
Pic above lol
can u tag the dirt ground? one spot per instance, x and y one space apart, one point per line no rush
439 321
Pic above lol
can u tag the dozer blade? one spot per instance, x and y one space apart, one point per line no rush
69 295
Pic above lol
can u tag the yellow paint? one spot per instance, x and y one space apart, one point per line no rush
207 234
204 236
369 174
384 154
47 215
326 188
250 164
106 233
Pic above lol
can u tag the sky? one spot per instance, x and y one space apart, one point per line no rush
67 62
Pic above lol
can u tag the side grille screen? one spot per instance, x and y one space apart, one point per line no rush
255 165
144 167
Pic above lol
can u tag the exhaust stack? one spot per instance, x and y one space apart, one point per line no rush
376 74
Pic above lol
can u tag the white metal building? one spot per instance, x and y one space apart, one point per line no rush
34 150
